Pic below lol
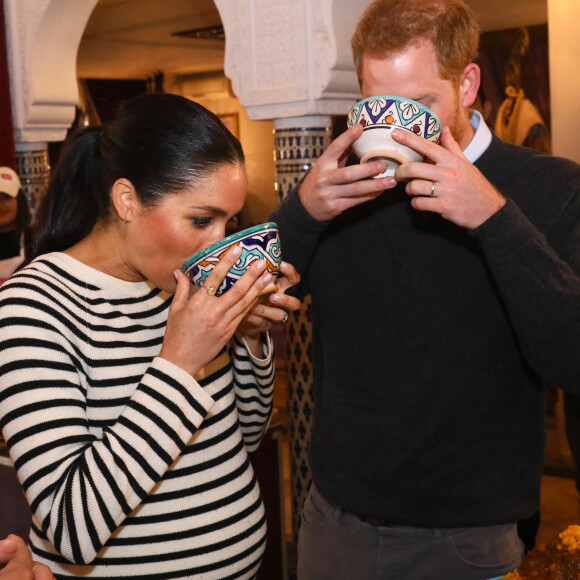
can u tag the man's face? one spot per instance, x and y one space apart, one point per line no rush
413 73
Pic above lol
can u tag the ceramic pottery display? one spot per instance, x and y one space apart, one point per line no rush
261 241
379 115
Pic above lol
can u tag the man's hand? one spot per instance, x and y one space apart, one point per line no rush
451 186
330 188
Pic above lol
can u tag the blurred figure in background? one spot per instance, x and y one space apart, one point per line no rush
518 120
14 222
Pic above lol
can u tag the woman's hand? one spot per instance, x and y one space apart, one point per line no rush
16 562
200 325
271 309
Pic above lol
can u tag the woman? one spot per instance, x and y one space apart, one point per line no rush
128 412
14 222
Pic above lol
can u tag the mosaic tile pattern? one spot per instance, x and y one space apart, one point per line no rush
296 151
33 170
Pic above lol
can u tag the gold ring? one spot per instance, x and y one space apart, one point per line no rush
211 290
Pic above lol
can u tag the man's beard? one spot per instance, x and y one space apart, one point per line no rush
457 127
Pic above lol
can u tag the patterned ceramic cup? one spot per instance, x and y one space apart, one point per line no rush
261 241
379 116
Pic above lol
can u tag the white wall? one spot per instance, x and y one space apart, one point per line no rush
564 45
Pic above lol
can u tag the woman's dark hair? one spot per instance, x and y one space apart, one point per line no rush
161 143
23 221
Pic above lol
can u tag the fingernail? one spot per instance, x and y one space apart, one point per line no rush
261 264
237 251
176 274
267 277
275 298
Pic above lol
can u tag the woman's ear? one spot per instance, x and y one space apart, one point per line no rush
124 199
469 84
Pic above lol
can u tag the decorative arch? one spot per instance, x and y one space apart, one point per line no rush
291 58
43 37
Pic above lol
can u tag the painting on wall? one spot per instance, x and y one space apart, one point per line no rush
514 95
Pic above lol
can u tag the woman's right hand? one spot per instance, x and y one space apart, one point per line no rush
199 326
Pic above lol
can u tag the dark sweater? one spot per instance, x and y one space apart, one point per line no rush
429 342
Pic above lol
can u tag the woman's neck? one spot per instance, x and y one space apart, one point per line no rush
103 250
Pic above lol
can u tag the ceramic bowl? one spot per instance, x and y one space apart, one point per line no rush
379 116
261 241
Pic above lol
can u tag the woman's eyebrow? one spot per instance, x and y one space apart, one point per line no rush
211 209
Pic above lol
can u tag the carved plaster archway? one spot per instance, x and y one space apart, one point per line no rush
291 58
43 37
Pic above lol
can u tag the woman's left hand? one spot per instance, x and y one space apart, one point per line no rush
272 308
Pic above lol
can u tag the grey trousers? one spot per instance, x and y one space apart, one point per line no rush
336 545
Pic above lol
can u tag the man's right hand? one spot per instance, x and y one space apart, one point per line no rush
331 187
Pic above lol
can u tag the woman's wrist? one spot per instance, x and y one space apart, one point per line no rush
254 343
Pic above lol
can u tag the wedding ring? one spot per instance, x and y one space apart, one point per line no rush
285 318
432 189
211 290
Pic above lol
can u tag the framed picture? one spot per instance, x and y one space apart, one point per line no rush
231 122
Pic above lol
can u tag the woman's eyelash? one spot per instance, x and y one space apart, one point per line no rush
201 222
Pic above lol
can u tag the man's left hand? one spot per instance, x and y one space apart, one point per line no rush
450 186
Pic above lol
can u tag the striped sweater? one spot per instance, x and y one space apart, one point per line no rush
132 468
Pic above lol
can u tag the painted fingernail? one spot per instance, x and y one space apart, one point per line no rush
267 277
261 264
275 298
176 274
237 251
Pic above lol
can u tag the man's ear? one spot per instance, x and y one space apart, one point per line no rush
124 199
469 84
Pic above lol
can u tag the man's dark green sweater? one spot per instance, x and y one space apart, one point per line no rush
430 344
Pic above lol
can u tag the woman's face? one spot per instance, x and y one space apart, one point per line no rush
162 237
8 211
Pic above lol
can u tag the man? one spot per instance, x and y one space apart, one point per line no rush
439 299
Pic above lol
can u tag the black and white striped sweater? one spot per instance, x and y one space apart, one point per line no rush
132 468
